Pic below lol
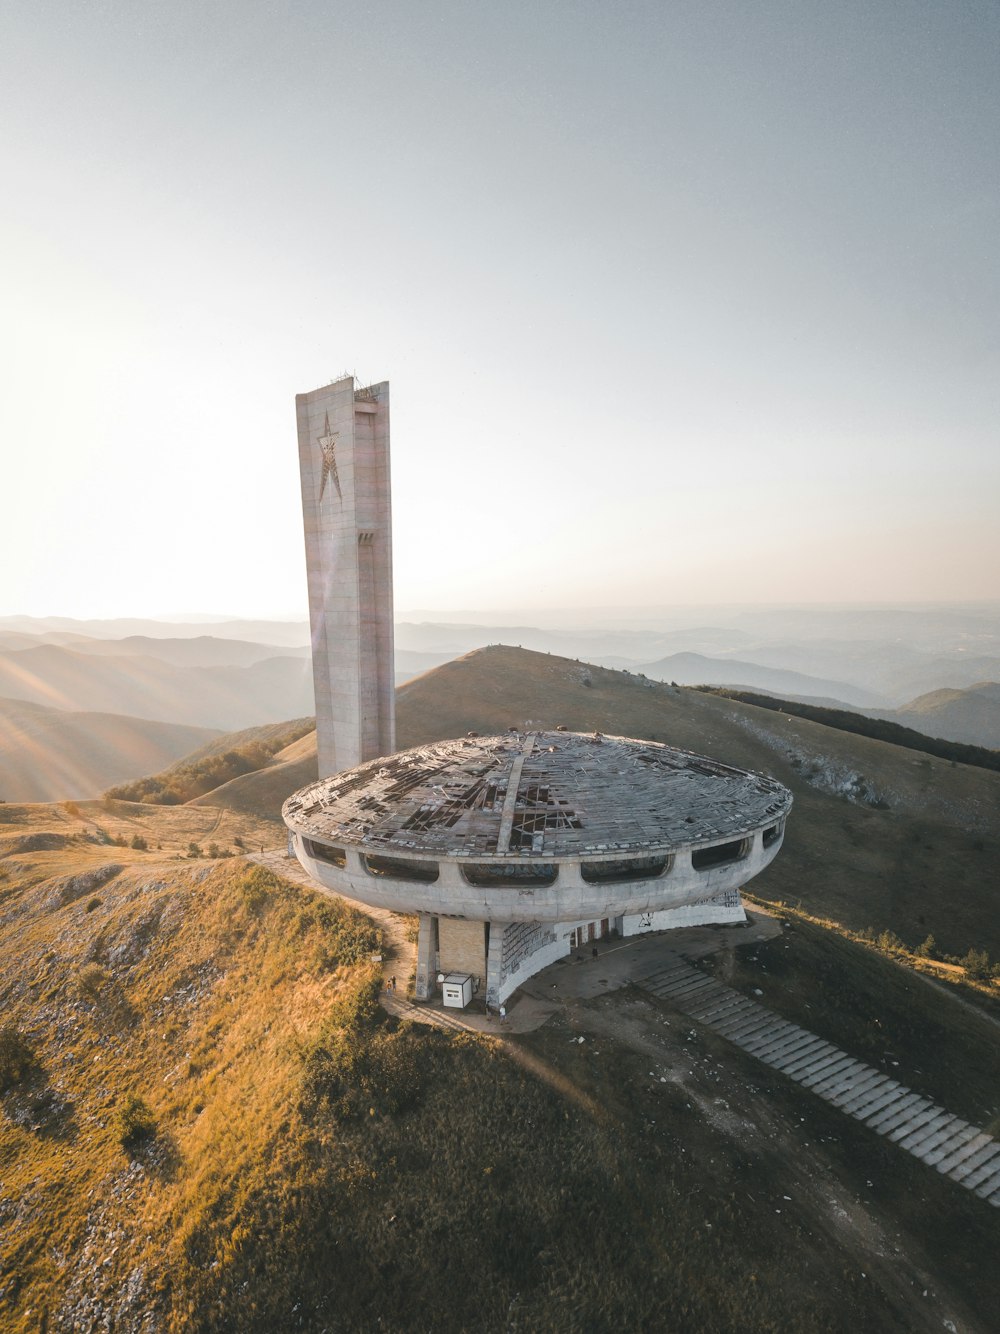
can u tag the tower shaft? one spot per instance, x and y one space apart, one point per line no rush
343 436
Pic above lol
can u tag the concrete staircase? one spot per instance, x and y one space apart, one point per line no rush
959 1150
436 1016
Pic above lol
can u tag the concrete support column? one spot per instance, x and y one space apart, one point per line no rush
426 978
494 964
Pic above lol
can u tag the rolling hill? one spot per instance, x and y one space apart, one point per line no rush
209 1125
193 651
971 716
56 628
224 697
215 765
51 754
880 836
198 681
695 669
897 672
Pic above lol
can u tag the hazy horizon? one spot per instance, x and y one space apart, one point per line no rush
688 613
686 304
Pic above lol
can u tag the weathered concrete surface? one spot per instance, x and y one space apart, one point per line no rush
918 1125
343 435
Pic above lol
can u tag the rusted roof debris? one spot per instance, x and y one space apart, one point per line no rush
576 794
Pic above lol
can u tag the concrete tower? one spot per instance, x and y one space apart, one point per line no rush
344 465
514 850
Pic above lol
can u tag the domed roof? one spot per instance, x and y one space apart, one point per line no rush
551 794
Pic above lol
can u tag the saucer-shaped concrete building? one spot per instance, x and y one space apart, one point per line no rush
517 849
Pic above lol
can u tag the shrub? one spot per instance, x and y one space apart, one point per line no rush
193 849
139 843
135 1121
17 1060
183 781
257 885
846 721
92 981
977 965
93 904
348 935
886 942
928 950
362 1065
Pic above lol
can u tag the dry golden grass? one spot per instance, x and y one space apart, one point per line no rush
924 861
568 1191
453 1188
190 984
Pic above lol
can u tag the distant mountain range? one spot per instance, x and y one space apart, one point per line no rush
691 669
971 716
224 697
51 755
199 681
930 671
873 803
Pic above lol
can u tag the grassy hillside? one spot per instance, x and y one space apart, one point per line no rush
227 757
207 1124
50 754
226 697
699 669
880 837
882 727
971 716
263 793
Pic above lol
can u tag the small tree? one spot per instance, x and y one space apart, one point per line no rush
887 942
977 965
135 1122
17 1060
92 981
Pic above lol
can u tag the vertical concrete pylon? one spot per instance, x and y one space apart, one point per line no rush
425 980
344 466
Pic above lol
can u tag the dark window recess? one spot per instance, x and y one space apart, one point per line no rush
721 855
322 852
638 868
509 874
402 869
772 835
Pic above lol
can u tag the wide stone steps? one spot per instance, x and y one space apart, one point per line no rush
960 1151
403 1008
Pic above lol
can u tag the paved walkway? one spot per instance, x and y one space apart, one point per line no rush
659 964
961 1151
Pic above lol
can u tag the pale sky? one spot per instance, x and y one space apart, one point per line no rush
679 302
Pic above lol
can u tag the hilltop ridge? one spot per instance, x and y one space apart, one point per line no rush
49 754
880 837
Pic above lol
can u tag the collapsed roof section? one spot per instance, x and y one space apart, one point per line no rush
554 794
